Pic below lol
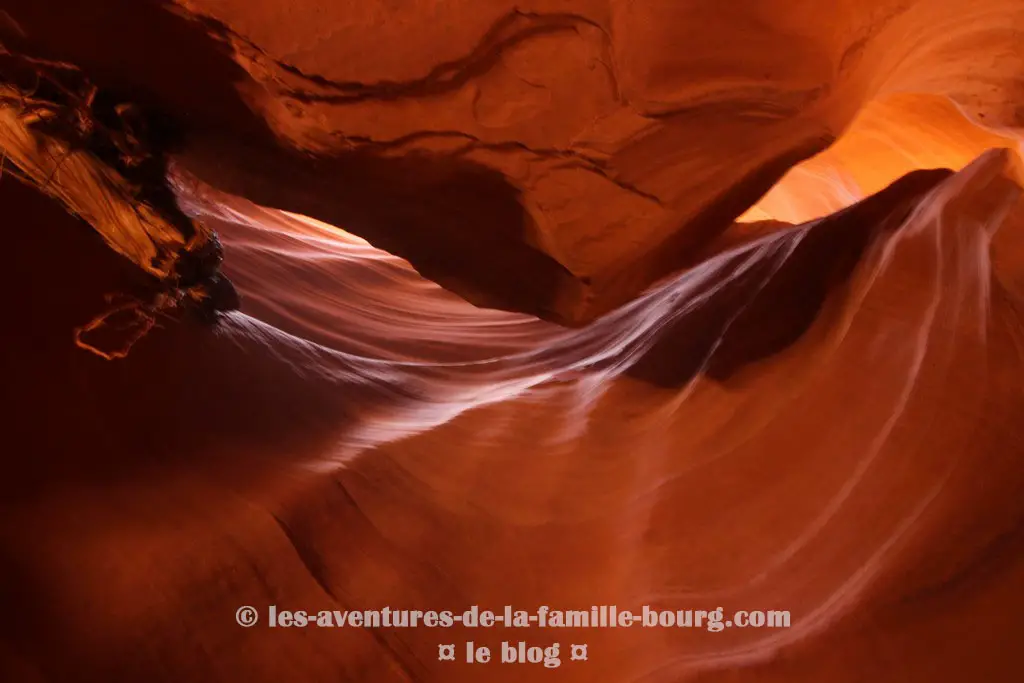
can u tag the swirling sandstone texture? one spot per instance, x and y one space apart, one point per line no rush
566 302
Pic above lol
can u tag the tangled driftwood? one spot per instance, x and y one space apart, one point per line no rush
96 160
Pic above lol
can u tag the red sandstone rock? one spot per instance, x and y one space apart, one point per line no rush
820 415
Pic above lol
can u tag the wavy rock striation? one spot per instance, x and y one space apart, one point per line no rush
753 279
594 145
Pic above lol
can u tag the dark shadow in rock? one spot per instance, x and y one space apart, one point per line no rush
143 52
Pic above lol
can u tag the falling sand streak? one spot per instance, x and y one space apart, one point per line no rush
438 363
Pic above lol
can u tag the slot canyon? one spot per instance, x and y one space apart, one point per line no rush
576 307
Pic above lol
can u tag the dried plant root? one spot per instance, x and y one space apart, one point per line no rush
102 168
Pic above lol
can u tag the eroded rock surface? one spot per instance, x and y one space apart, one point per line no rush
805 400
592 145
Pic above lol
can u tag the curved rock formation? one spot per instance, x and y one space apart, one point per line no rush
594 144
688 305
